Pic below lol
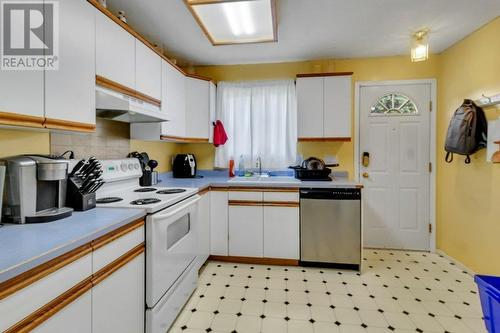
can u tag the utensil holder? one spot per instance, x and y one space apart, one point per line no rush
76 200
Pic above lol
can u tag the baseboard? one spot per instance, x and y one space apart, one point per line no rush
456 262
256 261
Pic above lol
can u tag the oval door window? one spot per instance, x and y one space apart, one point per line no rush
394 104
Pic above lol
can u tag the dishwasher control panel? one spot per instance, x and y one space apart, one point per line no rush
331 193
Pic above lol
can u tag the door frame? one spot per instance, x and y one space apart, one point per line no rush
432 148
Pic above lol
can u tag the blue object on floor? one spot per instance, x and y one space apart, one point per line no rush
489 292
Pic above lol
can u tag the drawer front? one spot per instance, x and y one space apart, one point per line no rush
24 302
281 196
245 195
113 250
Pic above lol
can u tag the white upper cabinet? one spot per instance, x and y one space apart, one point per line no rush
70 91
324 107
197 108
173 100
337 106
310 107
21 93
147 71
115 52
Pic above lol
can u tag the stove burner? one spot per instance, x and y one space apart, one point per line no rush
145 201
145 189
106 200
171 191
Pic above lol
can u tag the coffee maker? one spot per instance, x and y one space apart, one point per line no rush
35 189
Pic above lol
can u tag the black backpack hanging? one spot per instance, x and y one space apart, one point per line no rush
467 132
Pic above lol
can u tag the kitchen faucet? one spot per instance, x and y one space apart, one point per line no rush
258 164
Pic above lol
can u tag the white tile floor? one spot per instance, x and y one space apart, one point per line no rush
397 292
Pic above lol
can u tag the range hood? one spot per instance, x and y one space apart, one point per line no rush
113 105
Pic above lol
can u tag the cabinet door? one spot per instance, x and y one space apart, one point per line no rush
310 107
337 107
197 108
70 91
118 302
218 223
115 52
246 231
147 71
75 317
204 227
213 101
281 232
173 100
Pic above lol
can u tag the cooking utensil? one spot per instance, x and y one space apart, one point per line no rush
77 167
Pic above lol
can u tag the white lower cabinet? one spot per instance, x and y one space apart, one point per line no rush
204 227
246 225
76 317
219 223
118 301
281 232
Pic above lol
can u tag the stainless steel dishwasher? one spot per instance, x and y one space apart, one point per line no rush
330 227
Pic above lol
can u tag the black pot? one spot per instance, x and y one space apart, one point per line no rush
305 174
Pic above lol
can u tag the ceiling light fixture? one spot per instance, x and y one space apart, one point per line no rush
235 21
420 46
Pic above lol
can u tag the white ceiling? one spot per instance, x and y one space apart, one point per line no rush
314 29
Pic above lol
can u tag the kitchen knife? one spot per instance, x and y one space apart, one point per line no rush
77 167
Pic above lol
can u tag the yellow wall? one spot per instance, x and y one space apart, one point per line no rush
15 142
468 196
160 151
367 69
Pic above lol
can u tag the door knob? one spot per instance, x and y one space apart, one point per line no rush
365 175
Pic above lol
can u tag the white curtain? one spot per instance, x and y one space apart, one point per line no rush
260 119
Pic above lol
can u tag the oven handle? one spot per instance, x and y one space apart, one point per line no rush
188 202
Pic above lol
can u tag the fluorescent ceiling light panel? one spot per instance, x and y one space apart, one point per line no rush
235 22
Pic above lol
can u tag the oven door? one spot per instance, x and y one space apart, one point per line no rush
170 246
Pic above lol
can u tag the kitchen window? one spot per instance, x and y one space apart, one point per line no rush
260 119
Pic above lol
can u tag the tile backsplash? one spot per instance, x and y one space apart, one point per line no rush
110 140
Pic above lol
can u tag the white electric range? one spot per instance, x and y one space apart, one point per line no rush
173 255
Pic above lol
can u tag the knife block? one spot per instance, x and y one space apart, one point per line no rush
75 199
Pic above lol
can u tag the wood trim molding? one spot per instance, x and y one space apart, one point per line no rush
115 265
110 84
219 189
68 125
190 3
204 191
181 139
330 139
244 203
50 309
134 33
257 261
325 74
263 203
115 234
199 77
281 204
15 119
31 276
262 189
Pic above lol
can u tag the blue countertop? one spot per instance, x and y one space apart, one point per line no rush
25 246
220 178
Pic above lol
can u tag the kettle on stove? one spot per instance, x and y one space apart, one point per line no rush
184 166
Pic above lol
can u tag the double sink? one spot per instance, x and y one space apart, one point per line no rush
264 178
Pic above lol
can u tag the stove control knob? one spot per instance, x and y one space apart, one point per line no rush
136 166
123 167
131 166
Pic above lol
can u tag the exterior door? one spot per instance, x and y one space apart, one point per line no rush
395 165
